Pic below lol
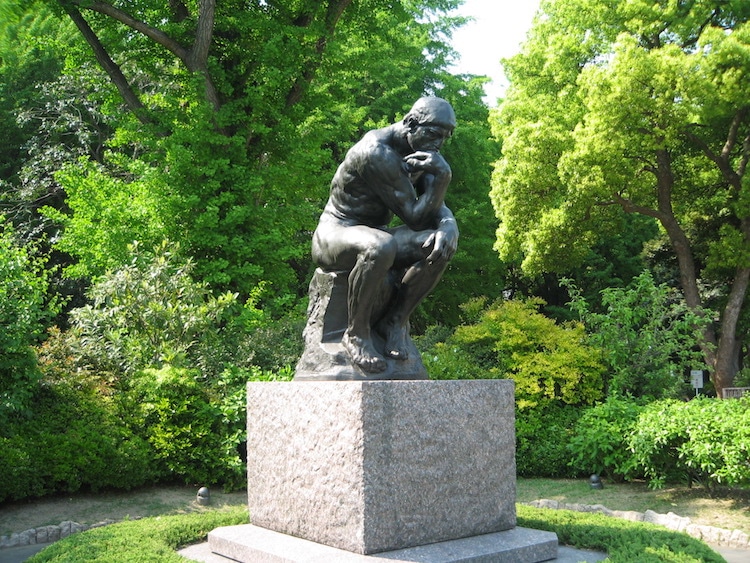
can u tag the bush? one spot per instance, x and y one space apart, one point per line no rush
150 539
74 440
173 412
705 440
25 308
157 539
600 439
151 313
548 362
648 335
542 438
624 541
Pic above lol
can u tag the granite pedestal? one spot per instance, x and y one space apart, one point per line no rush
378 467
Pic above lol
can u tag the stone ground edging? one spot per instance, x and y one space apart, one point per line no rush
47 534
709 534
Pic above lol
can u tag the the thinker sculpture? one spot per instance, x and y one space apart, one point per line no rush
386 271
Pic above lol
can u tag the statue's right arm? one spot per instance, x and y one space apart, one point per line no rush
386 173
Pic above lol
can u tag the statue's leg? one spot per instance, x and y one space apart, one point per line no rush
367 254
419 280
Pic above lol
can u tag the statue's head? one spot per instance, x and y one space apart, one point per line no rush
431 110
429 123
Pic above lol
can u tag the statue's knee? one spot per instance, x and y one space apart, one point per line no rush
382 251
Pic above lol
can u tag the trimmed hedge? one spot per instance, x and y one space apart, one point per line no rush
157 539
704 440
148 540
74 441
623 541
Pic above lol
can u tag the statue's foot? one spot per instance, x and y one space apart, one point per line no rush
363 353
396 339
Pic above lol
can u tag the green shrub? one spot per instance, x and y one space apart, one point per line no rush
150 539
647 335
706 440
548 361
173 412
158 539
600 439
542 437
25 308
151 313
623 540
73 441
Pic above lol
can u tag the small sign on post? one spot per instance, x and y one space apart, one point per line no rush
696 378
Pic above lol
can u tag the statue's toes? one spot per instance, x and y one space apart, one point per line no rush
397 354
373 364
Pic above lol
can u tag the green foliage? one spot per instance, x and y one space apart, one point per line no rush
151 313
30 41
704 440
648 337
183 427
149 539
74 440
25 308
599 442
513 340
623 541
542 437
99 203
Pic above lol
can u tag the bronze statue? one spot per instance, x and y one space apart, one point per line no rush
397 170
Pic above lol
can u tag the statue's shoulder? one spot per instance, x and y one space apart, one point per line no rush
375 149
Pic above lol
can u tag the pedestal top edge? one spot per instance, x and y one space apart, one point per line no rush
391 382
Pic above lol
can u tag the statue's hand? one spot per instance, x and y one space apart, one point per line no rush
426 161
444 242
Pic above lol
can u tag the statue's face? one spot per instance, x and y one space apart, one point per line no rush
428 136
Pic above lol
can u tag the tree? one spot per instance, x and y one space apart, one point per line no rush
42 125
639 108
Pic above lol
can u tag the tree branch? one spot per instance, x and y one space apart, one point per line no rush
110 67
333 13
195 59
723 159
629 207
153 33
737 120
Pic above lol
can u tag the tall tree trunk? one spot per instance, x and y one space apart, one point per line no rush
686 263
726 365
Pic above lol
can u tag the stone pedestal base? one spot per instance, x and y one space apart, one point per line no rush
251 544
378 466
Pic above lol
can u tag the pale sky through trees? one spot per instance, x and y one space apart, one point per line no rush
497 32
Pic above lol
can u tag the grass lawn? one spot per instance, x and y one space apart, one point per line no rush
157 521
